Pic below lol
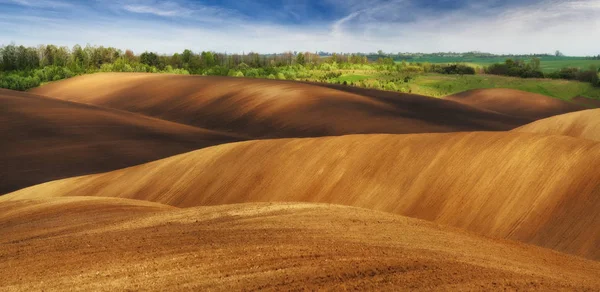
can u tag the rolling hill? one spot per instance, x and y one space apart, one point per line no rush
588 102
515 103
113 244
263 108
46 139
537 189
582 124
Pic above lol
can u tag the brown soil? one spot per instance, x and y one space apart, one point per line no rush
588 102
253 215
533 188
109 244
263 108
45 139
582 124
516 103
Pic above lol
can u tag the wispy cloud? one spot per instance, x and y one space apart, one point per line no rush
38 3
511 26
160 11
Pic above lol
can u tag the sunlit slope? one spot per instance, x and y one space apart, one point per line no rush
515 102
533 188
103 244
270 108
45 139
582 124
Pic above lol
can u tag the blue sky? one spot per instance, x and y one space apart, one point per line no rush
167 26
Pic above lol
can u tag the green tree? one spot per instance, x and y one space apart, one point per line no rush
535 64
9 57
149 58
300 60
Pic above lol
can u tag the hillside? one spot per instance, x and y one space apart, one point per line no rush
107 244
532 188
47 139
582 124
592 103
263 108
515 103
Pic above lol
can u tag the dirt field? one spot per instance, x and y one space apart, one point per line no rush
515 103
170 182
582 124
521 186
269 108
46 139
108 244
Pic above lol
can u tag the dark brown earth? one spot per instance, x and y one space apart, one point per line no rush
46 139
263 108
516 103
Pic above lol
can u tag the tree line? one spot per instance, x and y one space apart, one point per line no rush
23 67
532 69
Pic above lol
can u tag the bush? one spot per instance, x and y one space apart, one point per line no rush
457 69
391 86
16 82
252 73
590 76
376 84
516 69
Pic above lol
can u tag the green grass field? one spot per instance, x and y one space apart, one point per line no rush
548 64
353 77
438 85
443 85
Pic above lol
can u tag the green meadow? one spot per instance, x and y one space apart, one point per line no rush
548 63
440 85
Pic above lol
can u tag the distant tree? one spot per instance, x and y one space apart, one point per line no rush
9 57
186 56
300 60
49 55
208 59
130 56
148 58
176 61
80 60
62 56
535 64
558 53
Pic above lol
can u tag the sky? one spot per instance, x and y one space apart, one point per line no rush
237 26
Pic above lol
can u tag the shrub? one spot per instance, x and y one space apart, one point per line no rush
457 69
516 69
16 82
391 86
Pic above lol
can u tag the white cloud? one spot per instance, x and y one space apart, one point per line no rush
572 27
155 10
38 3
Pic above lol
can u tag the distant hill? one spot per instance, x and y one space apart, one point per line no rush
262 108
